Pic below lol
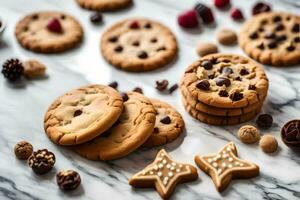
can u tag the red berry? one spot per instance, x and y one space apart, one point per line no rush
236 14
188 19
221 3
134 25
54 26
260 7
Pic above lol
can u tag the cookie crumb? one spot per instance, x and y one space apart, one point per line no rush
204 49
227 37
34 69
248 134
268 144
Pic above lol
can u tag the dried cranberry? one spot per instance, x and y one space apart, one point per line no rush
54 26
236 14
260 7
221 3
134 25
188 19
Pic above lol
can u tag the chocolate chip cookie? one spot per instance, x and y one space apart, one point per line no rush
48 32
132 129
272 38
138 45
226 81
82 114
104 5
168 125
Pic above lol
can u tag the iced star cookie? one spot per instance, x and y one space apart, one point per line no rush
48 32
104 5
82 114
132 129
164 174
226 81
168 125
138 45
272 38
225 166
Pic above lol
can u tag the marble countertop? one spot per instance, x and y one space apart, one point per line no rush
23 105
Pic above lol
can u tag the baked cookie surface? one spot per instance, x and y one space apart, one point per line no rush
168 125
82 114
226 81
32 32
138 45
132 129
104 5
272 38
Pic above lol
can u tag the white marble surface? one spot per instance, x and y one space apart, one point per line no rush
22 108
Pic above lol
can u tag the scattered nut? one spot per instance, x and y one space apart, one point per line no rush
268 143
34 69
248 134
23 150
204 49
227 37
68 179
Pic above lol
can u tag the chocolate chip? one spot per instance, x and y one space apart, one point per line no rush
148 26
124 96
290 48
63 17
251 87
77 113
211 76
223 93
227 70
113 39
136 43
173 88
162 85
264 22
236 96
161 49
113 84
156 130
34 17
261 46
279 27
244 72
296 28
96 18
280 38
118 48
253 35
261 29
68 180
238 78
25 29
276 19
220 81
153 40
138 90
207 64
203 85
297 39
264 121
272 44
166 120
270 35
142 54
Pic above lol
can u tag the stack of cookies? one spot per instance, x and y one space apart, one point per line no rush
224 89
102 124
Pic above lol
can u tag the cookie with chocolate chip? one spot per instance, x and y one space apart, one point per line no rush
226 81
104 5
82 114
48 32
168 125
138 45
272 38
132 129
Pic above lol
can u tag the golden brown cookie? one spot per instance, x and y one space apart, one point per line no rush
104 5
225 166
202 107
168 125
138 45
82 114
219 120
226 81
268 144
248 134
164 174
48 32
272 38
132 129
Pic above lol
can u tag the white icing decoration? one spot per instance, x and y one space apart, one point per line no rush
218 156
174 164
164 161
170 174
230 165
224 165
160 165
168 166
151 172
215 164
180 165
241 164
172 168
177 170
230 159
159 174
219 171
209 160
155 167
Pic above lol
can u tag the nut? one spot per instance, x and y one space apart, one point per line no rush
41 161
68 179
248 134
34 69
268 143
23 150
204 49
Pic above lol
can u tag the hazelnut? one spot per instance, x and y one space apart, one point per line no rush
23 150
248 134
268 143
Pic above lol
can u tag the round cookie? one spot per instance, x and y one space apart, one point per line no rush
272 38
197 105
32 32
226 81
133 128
138 45
82 114
104 5
218 120
168 125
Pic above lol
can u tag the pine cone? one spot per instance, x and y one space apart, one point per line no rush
12 69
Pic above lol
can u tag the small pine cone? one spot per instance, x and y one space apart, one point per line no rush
12 69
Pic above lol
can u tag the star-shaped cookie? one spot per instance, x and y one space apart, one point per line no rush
164 174
225 166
